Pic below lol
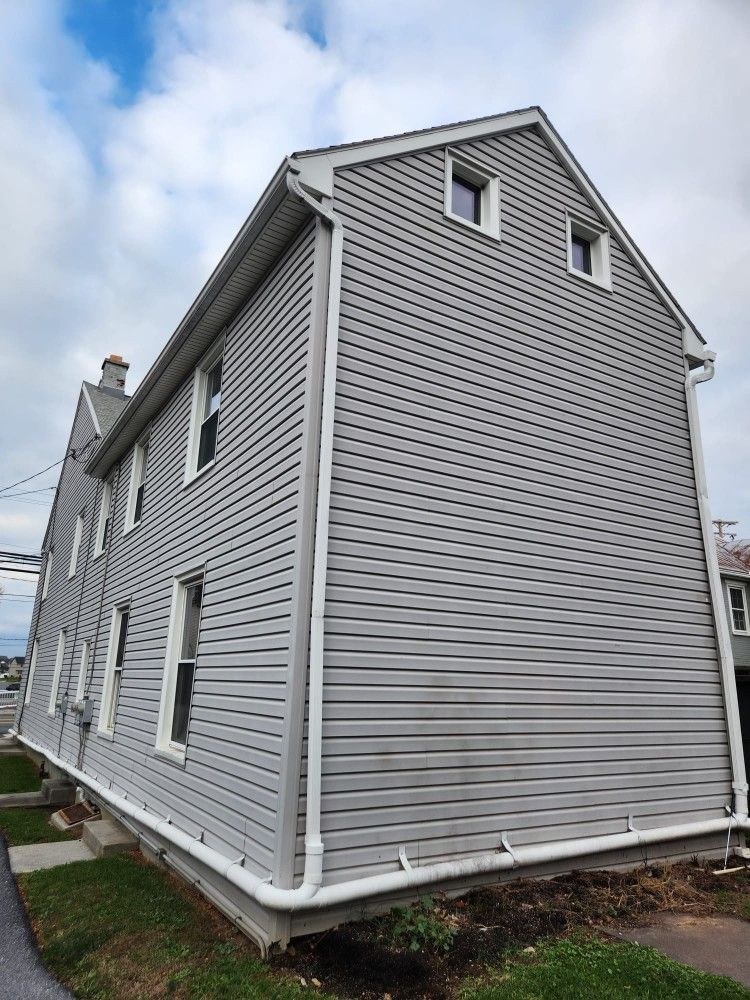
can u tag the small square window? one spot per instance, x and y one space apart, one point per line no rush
472 194
588 251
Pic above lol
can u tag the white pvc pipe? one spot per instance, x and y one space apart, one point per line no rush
303 899
721 627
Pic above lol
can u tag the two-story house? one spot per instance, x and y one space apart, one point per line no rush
397 568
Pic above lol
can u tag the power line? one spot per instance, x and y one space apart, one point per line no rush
35 475
41 489
72 453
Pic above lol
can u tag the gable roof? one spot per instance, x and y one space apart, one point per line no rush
278 216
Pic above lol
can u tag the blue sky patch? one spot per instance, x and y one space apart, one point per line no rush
116 32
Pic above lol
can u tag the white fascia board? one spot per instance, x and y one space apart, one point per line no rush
317 168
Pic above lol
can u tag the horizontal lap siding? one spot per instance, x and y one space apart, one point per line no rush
519 634
240 520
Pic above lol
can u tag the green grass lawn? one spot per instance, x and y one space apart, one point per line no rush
18 774
578 969
121 929
29 826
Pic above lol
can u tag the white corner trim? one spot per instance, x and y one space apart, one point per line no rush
597 236
462 166
94 418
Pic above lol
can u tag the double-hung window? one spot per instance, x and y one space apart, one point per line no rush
102 531
738 609
32 671
137 484
179 672
204 424
58 671
113 672
77 536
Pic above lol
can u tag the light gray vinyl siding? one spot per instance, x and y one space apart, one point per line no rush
519 633
740 643
238 521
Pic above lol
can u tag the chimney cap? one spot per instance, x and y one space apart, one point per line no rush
116 359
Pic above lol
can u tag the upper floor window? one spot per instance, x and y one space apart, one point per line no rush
204 424
47 574
77 535
738 609
472 194
137 484
179 671
113 671
588 251
102 532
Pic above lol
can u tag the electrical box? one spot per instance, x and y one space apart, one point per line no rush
83 711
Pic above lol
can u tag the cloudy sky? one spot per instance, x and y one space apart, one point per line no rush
137 134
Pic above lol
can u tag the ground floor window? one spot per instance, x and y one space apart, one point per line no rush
179 671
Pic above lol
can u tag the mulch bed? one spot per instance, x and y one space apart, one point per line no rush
361 960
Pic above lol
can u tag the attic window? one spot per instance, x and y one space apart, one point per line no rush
472 194
588 251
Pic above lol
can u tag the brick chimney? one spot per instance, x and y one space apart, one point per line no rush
114 370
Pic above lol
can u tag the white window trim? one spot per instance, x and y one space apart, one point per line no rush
83 669
135 475
180 585
47 574
74 552
207 362
109 671
59 657
104 510
476 173
598 237
32 671
743 590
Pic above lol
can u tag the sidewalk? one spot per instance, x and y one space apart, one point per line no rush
22 974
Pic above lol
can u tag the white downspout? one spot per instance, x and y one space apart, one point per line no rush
313 875
724 645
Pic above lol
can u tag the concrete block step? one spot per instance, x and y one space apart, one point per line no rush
33 857
58 791
105 837
25 800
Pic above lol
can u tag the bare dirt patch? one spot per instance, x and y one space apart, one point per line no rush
362 959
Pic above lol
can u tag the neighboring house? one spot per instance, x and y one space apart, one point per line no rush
15 666
735 576
396 569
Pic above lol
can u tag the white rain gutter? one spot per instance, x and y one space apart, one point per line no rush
724 645
295 900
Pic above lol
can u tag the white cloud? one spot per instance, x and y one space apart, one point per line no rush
114 216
